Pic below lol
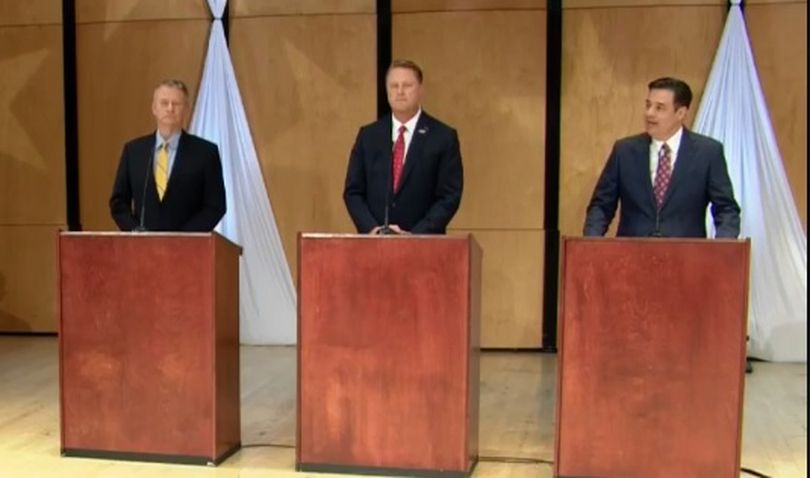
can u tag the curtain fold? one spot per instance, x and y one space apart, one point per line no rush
733 110
267 302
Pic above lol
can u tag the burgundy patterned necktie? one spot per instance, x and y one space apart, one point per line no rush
399 156
662 174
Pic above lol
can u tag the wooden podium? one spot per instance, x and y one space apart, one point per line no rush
149 346
388 354
652 358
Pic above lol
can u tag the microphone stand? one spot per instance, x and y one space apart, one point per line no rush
141 227
385 229
657 232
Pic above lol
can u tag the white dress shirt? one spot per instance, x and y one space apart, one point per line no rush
410 126
674 143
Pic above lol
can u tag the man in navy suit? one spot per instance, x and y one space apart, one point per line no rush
665 178
405 169
169 180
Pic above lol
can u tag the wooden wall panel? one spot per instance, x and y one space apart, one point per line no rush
30 12
118 65
749 3
401 6
485 73
606 68
96 11
28 287
253 8
511 287
641 3
778 33
308 83
32 144
32 162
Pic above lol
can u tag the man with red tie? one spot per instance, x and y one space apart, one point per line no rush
665 178
405 173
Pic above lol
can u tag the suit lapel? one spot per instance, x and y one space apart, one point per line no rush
178 163
383 147
418 138
643 167
148 155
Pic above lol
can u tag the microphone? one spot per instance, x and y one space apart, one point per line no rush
141 227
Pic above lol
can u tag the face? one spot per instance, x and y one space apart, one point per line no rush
404 92
661 117
169 108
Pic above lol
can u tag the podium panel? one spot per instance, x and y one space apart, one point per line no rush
388 368
149 346
652 357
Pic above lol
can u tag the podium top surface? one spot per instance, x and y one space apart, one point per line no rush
150 234
326 235
680 240
127 233
467 237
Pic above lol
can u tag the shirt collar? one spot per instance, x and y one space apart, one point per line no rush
410 124
174 140
674 141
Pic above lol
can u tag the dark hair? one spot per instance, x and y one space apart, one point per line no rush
406 64
679 88
174 84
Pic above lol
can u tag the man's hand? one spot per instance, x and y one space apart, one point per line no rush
398 230
392 227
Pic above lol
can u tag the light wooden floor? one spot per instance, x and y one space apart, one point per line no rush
517 412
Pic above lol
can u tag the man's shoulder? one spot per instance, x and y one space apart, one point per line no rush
197 141
144 140
701 140
428 122
633 141
380 126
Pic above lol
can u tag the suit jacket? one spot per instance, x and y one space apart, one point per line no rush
699 178
194 199
430 187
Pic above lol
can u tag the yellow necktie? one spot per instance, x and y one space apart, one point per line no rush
162 170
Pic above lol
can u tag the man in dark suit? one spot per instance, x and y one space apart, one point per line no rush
409 162
665 178
169 180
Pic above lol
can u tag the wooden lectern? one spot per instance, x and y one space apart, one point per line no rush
388 354
149 346
652 357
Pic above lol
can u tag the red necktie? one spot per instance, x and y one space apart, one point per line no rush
399 156
662 174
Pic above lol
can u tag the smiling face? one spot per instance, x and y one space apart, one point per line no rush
662 117
404 92
169 109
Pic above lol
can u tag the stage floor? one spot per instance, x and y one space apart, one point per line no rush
516 428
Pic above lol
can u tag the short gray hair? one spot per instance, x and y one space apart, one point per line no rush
172 83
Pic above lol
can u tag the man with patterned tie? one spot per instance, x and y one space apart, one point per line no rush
169 180
405 167
665 178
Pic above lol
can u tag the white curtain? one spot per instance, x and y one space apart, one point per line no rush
267 305
733 111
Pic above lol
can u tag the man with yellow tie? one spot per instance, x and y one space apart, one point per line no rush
169 180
